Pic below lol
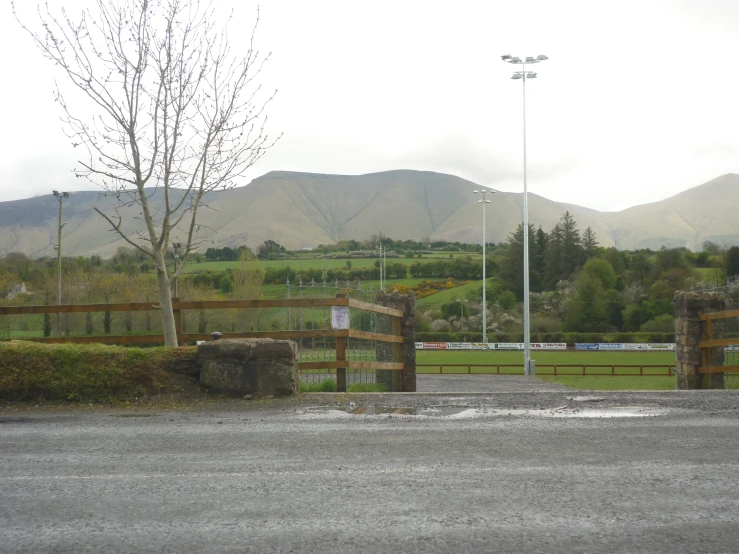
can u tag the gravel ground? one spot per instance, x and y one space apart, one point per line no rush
554 471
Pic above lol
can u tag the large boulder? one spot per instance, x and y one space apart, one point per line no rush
260 367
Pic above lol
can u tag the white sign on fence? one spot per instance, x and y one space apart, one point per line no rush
339 317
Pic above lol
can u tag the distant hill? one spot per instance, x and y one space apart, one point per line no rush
306 208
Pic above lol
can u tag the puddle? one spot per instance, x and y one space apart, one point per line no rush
440 411
459 412
435 411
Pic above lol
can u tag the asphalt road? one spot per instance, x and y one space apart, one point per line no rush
484 383
517 472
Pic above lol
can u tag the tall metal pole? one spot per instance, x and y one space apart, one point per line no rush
526 310
484 263
60 198
484 282
528 370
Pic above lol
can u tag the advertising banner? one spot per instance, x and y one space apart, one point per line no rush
611 346
419 346
509 345
549 346
434 346
459 346
655 346
586 346
482 345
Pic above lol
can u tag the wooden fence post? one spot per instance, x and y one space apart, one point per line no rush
340 371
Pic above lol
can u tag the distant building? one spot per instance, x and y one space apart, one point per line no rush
306 248
20 288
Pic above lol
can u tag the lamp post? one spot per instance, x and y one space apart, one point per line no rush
461 308
524 76
60 196
484 201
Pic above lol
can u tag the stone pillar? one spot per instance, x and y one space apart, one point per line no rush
259 367
407 304
688 334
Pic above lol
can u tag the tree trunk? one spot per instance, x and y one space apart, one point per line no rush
165 305
89 329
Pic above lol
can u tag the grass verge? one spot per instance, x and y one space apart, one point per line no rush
88 372
329 385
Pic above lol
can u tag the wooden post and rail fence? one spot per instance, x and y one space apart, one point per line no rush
710 365
340 363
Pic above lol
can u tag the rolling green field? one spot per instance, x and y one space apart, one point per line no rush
331 263
280 291
448 295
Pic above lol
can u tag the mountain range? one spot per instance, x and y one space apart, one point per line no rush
297 209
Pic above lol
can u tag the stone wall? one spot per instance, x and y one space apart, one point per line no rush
405 380
688 333
259 367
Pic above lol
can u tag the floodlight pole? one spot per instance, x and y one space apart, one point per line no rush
60 198
484 283
524 75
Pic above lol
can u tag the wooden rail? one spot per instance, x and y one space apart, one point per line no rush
340 364
201 305
193 337
708 342
556 369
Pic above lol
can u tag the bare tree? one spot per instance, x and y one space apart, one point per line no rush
176 115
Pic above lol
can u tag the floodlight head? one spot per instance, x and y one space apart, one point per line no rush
531 75
515 60
65 194
56 192
530 59
479 201
541 57
487 201
505 57
475 191
517 76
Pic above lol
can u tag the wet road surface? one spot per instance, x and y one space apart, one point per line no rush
510 472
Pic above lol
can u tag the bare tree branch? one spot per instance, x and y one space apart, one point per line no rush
177 114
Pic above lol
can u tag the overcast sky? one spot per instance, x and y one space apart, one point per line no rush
638 101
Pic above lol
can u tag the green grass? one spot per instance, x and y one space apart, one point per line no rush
88 373
280 291
590 382
329 385
331 263
613 383
448 295
542 357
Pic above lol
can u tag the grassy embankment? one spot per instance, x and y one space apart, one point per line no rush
89 373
